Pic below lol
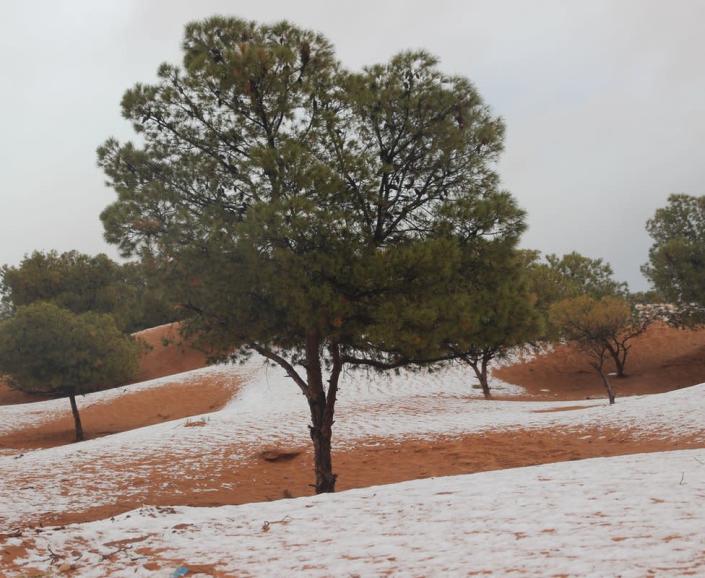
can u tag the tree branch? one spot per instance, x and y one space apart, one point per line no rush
278 359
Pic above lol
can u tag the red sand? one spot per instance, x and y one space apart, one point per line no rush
207 481
175 357
130 411
663 359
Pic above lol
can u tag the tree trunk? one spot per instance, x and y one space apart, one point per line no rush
322 408
481 374
608 386
484 379
76 418
321 435
622 363
321 403
620 360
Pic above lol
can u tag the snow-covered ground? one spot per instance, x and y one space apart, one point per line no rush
30 414
632 516
270 410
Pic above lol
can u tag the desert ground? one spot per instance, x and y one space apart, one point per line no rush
207 469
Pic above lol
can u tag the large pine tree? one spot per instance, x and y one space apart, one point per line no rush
316 216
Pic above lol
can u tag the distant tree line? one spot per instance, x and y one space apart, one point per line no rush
132 293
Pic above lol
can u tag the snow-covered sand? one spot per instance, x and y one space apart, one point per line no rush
638 515
18 416
270 410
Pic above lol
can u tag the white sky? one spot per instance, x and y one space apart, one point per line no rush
604 103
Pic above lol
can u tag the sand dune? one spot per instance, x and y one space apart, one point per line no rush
210 436
630 516
663 359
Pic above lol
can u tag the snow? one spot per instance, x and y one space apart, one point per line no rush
270 410
629 516
21 415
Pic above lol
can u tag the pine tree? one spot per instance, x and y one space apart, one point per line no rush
315 216
493 313
676 266
81 283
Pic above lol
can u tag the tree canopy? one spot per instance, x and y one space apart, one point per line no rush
604 328
317 216
554 278
676 266
129 292
45 349
492 312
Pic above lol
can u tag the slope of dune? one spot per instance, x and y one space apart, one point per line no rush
663 359
9 396
630 516
389 428
133 408
167 354
219 461
40 422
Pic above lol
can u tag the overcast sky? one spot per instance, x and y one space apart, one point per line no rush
604 103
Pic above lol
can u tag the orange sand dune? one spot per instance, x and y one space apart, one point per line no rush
663 359
129 411
134 409
168 355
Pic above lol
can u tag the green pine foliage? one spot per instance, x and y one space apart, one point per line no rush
320 217
676 266
131 292
494 312
45 349
554 278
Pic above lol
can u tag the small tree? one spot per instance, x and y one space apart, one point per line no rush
493 313
602 328
555 278
45 349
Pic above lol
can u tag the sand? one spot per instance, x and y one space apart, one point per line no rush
375 462
663 359
127 412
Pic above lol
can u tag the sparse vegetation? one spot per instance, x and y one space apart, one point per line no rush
603 328
341 239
